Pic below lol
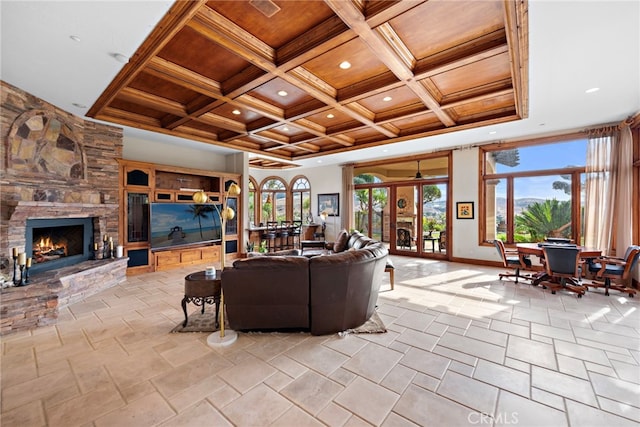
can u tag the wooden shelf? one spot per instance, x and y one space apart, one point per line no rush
145 183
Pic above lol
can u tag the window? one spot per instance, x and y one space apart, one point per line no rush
301 199
535 191
253 219
273 200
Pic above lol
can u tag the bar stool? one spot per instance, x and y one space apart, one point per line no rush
270 235
285 233
296 231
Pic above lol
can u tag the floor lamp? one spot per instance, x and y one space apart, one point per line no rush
229 336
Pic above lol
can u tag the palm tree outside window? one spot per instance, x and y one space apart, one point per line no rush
534 191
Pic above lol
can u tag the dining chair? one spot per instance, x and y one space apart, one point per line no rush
616 270
512 259
563 267
442 241
404 238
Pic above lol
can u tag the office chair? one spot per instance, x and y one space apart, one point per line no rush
616 270
562 264
512 259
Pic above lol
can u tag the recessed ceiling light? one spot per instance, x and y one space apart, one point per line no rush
345 65
387 99
286 129
493 132
120 57
282 93
319 161
592 90
78 105
74 38
236 112
385 151
330 116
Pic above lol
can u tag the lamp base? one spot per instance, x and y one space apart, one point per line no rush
215 340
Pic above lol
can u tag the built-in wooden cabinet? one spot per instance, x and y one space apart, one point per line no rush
144 184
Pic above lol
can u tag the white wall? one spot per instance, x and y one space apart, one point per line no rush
464 233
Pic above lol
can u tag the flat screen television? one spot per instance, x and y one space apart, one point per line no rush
182 224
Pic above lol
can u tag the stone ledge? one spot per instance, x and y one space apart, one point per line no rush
39 302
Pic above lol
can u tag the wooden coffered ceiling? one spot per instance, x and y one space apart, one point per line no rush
216 71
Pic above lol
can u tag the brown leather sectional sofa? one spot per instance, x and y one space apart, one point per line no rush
323 294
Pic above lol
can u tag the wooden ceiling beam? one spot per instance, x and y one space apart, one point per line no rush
158 103
380 46
224 32
173 21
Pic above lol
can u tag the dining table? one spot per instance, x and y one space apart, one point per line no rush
537 249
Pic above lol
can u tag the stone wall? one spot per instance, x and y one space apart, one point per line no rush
54 164
51 156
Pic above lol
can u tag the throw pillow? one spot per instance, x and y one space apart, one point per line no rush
341 242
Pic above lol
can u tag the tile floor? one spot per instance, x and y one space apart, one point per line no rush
462 349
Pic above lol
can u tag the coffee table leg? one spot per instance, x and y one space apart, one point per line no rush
184 308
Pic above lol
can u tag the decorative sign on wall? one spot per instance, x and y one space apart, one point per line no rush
464 210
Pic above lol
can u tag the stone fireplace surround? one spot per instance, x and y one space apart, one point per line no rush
55 165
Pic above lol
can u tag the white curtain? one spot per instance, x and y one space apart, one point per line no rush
347 196
608 207
600 182
623 207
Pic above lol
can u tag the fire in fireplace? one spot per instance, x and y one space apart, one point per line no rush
55 243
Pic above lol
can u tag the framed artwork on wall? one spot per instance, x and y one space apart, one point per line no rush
464 210
329 203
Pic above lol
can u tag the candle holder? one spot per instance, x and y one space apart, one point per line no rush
26 275
21 281
15 268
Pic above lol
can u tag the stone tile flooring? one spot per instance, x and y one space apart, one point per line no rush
462 349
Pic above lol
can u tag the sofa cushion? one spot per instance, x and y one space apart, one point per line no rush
355 235
341 241
284 252
362 241
271 262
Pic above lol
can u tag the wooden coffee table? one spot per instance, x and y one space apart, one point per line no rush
201 289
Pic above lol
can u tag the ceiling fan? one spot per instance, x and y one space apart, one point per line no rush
418 174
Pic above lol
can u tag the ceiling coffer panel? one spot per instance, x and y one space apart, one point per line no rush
299 79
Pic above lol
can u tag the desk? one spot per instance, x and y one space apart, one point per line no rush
202 289
535 249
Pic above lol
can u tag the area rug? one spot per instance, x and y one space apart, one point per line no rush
374 325
199 322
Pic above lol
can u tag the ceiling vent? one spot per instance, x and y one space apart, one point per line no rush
266 7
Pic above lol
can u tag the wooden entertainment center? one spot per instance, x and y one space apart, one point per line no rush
144 183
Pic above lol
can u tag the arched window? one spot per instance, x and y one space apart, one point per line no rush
273 200
253 218
301 199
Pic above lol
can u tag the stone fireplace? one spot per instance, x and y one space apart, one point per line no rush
56 167
58 242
